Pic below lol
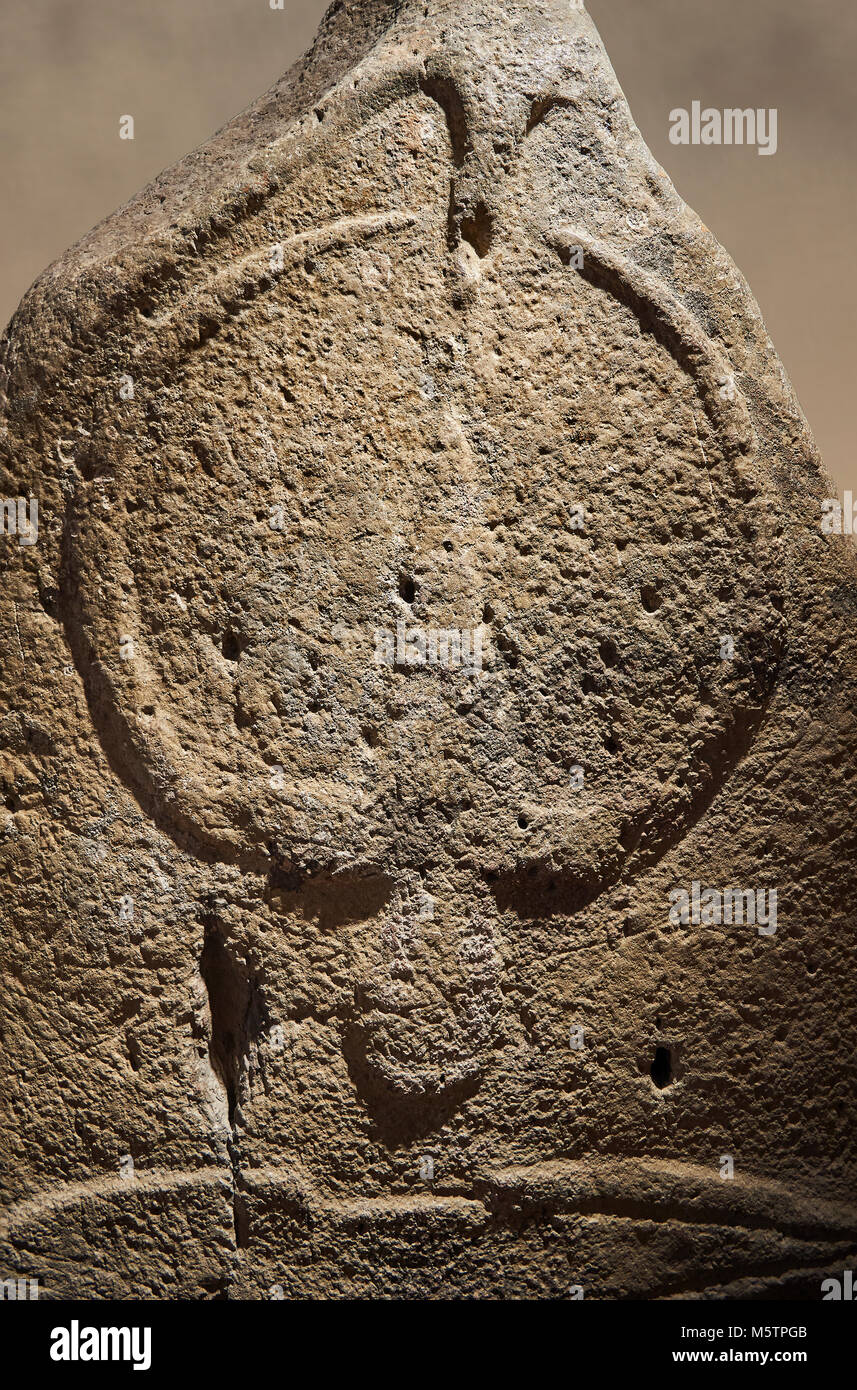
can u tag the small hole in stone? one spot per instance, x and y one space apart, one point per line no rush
478 230
661 1069
205 457
608 651
628 838
650 598
230 646
407 588
523 822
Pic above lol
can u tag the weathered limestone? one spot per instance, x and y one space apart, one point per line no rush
429 589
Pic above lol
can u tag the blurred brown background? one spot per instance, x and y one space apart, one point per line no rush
182 68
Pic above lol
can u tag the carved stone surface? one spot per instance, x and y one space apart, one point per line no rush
429 583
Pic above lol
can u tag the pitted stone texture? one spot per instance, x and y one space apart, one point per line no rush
424 342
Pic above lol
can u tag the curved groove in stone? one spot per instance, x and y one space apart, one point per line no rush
660 313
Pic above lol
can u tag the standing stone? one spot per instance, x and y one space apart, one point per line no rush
429 590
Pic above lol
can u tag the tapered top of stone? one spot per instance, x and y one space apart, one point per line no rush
361 23
370 15
361 11
486 63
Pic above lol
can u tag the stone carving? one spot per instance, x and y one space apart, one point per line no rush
430 558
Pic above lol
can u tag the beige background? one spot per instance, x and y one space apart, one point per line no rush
70 68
